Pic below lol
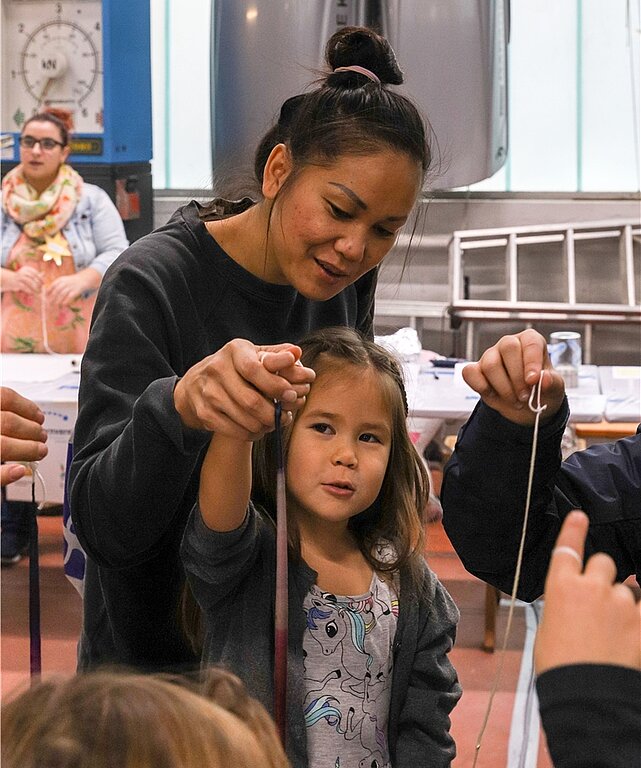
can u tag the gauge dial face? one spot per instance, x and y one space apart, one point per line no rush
53 58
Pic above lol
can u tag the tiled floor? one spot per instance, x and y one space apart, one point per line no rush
61 622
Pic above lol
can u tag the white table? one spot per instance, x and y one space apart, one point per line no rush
19 369
435 395
621 386
52 382
442 393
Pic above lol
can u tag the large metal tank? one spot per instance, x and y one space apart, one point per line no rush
453 53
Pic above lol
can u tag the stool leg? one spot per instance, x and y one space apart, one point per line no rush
492 598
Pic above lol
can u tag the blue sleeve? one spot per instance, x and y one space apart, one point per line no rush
108 231
10 232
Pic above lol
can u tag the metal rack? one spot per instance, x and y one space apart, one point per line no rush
472 310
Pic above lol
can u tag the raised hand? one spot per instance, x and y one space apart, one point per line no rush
587 618
232 392
506 373
22 435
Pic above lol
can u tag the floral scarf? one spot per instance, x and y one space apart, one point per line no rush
45 214
29 322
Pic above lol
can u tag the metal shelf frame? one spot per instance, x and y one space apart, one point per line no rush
462 308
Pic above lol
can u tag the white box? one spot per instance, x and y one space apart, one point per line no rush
58 399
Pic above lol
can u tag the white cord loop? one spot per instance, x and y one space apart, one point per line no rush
36 475
538 410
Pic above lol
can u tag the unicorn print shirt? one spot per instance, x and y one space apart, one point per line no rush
347 648
340 686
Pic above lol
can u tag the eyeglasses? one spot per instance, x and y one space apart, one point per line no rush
45 144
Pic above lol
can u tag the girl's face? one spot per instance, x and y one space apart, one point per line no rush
40 166
334 223
339 447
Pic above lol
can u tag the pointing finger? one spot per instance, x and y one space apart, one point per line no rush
567 555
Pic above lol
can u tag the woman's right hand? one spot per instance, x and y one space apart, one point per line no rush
26 280
232 392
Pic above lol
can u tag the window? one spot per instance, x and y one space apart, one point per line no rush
573 96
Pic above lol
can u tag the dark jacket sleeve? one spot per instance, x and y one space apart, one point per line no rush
591 714
422 730
133 459
217 562
485 488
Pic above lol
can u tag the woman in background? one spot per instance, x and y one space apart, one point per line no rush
59 236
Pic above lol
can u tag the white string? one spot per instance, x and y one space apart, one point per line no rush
43 322
36 475
538 410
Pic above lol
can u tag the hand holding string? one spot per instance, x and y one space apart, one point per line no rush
507 371
537 409
232 391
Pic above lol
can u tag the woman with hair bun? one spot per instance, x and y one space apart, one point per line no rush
183 317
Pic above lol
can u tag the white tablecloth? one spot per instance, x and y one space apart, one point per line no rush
443 393
621 385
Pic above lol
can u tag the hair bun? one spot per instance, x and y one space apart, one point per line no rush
363 47
63 115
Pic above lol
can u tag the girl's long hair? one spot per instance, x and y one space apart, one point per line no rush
397 515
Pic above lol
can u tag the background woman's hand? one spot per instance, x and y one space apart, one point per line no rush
232 391
587 618
506 373
64 290
26 280
22 435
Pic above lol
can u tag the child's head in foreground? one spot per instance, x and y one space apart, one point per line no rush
115 719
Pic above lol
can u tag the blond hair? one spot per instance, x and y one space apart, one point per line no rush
108 719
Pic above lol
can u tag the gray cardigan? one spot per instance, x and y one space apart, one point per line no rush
232 577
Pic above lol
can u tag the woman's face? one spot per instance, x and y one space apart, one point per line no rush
40 166
334 223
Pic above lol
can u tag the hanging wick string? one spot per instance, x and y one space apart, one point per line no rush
43 323
35 650
32 466
538 410
281 620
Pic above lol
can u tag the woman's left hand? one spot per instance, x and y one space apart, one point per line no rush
65 289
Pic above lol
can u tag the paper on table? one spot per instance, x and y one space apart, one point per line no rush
32 368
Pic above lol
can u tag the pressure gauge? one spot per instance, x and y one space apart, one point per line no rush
91 58
52 57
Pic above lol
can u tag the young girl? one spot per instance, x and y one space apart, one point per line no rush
370 626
